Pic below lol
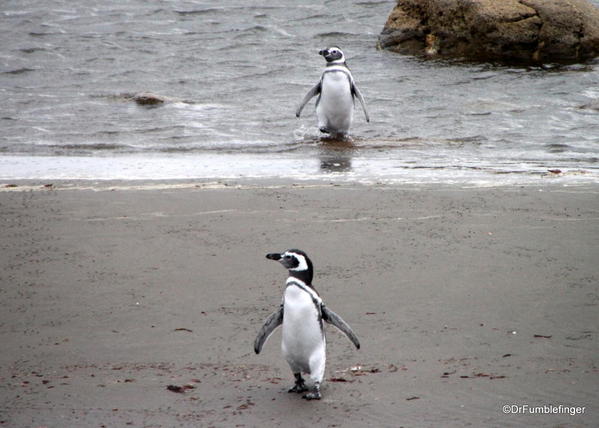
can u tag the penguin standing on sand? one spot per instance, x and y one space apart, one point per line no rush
302 313
336 91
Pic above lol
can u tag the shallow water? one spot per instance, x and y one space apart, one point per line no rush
236 71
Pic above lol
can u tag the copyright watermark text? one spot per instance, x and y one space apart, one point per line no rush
547 409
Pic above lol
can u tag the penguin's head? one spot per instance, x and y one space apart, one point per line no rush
296 262
333 55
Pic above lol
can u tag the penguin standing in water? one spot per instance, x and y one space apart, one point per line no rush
336 91
302 314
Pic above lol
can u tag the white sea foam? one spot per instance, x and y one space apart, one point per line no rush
240 167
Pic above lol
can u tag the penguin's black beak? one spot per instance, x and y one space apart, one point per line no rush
273 256
323 52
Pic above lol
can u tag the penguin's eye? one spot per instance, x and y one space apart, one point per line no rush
287 257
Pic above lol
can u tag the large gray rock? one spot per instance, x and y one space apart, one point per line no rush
529 31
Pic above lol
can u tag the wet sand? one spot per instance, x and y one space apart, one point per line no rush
465 300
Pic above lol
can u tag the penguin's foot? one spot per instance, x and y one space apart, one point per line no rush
299 386
324 130
313 395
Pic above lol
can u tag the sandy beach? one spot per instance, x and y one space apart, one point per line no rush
465 300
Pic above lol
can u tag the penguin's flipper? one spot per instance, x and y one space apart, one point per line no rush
356 92
311 93
272 322
332 318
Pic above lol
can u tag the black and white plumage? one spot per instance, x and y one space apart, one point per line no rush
336 92
302 313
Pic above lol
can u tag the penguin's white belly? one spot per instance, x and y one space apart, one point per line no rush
336 105
303 339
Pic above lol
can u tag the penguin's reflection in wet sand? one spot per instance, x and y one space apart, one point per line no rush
336 154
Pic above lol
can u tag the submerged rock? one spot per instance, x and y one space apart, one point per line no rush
593 105
148 98
525 31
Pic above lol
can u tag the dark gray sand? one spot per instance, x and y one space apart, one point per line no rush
465 300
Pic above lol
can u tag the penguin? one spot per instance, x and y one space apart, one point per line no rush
302 313
336 92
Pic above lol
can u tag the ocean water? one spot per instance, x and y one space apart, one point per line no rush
235 71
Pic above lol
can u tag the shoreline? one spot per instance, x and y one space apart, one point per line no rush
464 299
341 166
550 181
